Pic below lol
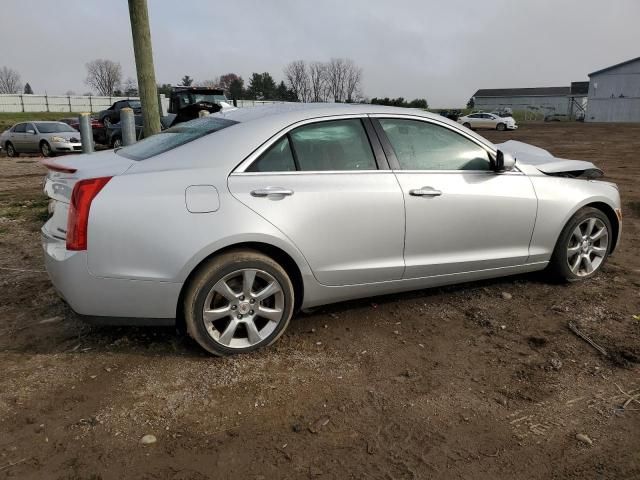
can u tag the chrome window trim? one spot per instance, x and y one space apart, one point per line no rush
241 168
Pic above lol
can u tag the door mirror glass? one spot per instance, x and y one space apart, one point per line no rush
31 131
505 162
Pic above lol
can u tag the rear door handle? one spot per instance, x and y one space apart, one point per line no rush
425 192
265 192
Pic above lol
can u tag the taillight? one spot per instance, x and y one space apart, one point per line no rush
83 194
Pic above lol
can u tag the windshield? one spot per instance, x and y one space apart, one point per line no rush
54 127
174 137
189 98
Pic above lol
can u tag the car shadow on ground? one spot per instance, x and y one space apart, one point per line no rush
67 333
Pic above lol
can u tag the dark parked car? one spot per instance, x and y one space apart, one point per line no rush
98 129
114 133
112 114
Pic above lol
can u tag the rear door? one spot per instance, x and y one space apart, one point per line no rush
325 185
17 137
461 216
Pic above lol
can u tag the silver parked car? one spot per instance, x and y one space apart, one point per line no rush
47 138
491 121
231 223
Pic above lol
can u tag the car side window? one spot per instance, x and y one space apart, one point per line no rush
425 146
20 128
333 145
278 158
322 146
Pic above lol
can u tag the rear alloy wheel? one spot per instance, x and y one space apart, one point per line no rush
238 302
45 149
11 151
583 246
501 127
106 121
117 142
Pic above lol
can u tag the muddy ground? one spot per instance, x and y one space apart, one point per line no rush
482 380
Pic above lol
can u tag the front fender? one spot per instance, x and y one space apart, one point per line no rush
558 200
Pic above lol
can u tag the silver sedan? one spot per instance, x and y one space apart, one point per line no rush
233 222
46 138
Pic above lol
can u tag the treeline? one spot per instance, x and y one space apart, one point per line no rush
338 80
401 102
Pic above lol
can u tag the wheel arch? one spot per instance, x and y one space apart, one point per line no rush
278 254
613 218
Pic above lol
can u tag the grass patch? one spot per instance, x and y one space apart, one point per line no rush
34 210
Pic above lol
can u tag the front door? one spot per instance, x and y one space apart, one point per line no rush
460 215
320 184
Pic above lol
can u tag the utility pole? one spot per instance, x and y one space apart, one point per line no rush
144 65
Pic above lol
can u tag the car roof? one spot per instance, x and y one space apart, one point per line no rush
294 111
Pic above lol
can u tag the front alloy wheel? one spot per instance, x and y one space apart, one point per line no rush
588 247
237 302
583 245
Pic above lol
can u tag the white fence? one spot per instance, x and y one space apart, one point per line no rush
80 103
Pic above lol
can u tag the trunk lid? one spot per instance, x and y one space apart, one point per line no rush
62 175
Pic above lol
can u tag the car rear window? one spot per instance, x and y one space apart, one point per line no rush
174 137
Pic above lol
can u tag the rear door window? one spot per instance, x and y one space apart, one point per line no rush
333 145
20 128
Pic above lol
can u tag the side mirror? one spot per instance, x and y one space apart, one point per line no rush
505 162
32 132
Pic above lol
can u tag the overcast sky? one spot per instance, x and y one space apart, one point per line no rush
441 50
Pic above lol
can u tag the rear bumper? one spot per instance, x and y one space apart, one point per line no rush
117 300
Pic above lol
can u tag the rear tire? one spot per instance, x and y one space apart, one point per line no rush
106 121
583 246
11 150
238 302
501 127
467 125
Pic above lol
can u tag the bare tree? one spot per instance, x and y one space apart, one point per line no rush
130 87
9 81
297 77
213 83
104 75
353 77
318 81
336 77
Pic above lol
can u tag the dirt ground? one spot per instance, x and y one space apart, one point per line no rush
477 381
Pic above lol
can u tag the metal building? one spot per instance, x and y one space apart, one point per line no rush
570 100
614 93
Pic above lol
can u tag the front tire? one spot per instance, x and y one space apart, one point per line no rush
11 150
583 246
238 302
45 149
501 127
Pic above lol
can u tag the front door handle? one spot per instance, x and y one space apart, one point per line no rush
265 192
425 192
